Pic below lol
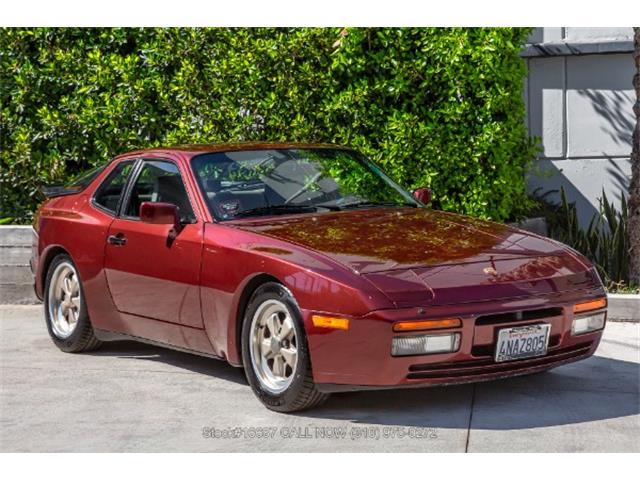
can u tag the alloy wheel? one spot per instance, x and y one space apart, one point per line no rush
274 348
64 300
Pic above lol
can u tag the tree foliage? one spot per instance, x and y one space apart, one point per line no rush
439 107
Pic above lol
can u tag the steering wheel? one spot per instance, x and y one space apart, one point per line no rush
304 188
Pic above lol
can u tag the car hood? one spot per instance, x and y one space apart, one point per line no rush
411 253
383 239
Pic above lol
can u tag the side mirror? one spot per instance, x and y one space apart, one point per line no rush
159 213
423 195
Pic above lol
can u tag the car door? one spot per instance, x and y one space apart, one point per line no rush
150 273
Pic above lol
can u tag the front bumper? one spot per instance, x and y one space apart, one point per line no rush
360 358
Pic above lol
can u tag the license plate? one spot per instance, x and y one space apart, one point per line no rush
522 342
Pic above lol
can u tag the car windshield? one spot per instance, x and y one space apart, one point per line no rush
283 181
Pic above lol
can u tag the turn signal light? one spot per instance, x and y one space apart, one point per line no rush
426 324
330 322
590 305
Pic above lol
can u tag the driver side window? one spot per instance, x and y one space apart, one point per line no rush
159 181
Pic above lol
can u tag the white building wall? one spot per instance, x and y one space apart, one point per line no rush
579 100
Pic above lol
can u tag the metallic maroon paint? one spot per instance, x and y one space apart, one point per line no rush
423 195
159 213
373 266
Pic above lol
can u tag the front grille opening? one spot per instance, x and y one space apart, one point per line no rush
472 368
510 317
488 350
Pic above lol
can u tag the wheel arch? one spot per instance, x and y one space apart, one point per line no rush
251 286
43 266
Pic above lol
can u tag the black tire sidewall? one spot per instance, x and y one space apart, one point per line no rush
70 343
285 400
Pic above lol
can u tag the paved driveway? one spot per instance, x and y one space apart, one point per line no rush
133 397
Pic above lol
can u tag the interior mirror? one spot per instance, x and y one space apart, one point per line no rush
423 195
159 213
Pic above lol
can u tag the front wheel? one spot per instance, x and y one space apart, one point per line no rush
275 353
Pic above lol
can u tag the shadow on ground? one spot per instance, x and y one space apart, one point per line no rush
186 361
598 388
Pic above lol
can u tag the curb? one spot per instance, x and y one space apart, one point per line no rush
623 308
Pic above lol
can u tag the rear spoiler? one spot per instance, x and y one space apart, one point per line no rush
51 191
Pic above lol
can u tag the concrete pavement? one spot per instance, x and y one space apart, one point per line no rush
134 397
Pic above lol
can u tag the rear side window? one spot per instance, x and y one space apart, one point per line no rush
81 181
109 192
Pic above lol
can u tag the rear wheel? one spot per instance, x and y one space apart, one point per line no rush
275 351
65 309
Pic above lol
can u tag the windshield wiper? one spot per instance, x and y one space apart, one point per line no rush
365 204
276 210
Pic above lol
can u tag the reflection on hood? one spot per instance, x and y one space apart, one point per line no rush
382 239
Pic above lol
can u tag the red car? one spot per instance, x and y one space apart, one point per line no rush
309 267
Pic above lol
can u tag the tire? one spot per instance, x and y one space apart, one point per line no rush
281 383
68 297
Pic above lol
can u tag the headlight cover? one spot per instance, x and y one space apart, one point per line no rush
588 323
425 344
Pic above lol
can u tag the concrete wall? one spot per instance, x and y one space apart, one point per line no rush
579 100
16 281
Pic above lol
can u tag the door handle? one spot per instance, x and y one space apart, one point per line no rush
118 239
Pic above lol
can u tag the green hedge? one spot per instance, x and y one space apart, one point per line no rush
439 107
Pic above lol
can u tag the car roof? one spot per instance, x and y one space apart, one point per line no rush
197 149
